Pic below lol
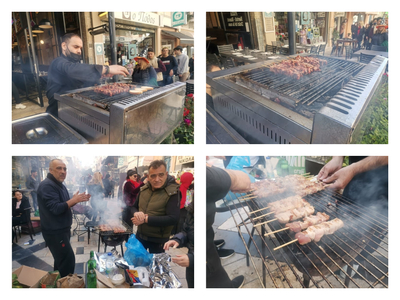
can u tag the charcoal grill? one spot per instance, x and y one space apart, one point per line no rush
363 241
124 118
114 239
322 107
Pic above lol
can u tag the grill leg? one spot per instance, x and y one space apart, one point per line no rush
263 231
248 246
122 250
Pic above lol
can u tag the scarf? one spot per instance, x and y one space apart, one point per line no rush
186 180
135 183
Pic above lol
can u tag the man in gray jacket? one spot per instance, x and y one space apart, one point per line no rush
183 64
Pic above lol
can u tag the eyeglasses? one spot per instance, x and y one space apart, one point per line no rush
154 176
135 176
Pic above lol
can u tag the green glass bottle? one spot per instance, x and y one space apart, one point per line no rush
91 277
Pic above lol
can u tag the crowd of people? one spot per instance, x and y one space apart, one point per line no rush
161 208
373 33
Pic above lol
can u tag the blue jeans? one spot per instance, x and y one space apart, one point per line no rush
167 79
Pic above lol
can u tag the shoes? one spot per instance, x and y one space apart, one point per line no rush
225 253
20 106
238 282
219 243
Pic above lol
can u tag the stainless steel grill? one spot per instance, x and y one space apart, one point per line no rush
360 247
322 107
124 118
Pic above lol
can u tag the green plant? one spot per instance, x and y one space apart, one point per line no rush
376 127
184 134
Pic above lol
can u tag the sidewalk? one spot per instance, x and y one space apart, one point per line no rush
38 256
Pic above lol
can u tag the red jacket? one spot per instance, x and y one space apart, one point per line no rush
131 190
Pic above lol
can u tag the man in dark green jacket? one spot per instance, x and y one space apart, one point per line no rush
156 209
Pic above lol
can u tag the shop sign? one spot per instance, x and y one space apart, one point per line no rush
140 17
340 14
235 20
179 18
184 159
99 47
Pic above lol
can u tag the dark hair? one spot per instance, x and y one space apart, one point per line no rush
157 163
33 171
16 191
68 36
150 50
130 173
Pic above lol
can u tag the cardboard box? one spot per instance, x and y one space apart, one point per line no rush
28 276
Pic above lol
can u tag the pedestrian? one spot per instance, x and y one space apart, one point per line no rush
191 67
32 183
144 73
170 64
186 186
19 204
157 64
183 64
185 238
354 28
107 186
360 33
96 190
130 188
365 36
218 184
56 216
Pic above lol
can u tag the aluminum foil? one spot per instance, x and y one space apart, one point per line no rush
161 272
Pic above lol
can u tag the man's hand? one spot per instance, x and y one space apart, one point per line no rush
77 198
331 167
138 218
240 181
341 178
118 70
180 75
171 72
145 180
181 260
171 243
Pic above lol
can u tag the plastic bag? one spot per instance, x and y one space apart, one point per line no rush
136 255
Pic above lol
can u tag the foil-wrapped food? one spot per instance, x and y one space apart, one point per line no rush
161 272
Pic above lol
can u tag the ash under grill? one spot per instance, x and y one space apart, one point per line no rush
323 107
360 248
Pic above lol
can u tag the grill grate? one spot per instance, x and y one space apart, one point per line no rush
311 88
104 102
363 242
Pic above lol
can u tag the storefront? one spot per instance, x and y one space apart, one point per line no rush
138 31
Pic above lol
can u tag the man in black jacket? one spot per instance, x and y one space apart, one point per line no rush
219 182
171 65
67 73
56 216
156 209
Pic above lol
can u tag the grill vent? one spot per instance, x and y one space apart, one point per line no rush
257 125
88 122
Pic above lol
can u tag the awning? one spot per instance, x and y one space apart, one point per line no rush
179 35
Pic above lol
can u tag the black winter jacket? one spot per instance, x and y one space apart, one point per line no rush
55 215
186 236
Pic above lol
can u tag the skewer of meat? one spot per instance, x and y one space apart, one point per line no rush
295 214
291 214
307 222
316 232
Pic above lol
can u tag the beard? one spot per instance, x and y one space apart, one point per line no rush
73 57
